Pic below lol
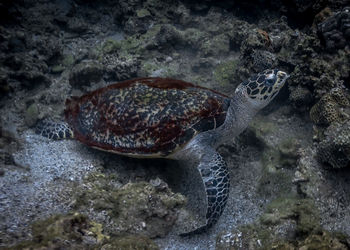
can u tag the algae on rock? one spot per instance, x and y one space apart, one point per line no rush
225 72
135 208
76 231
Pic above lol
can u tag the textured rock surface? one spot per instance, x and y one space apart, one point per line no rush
334 150
76 232
332 107
135 208
335 30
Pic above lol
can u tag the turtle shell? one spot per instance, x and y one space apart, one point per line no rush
146 117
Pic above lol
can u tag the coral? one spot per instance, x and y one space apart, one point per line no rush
262 59
110 46
143 208
85 73
335 30
330 108
31 115
142 13
300 96
61 63
321 240
61 231
322 15
302 210
218 45
76 231
256 39
285 224
118 68
334 150
131 242
225 72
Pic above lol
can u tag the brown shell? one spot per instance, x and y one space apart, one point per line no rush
145 117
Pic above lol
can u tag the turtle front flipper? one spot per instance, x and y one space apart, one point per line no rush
216 180
54 130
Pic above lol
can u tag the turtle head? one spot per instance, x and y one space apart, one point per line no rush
260 89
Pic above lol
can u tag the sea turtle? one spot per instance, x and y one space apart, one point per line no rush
168 118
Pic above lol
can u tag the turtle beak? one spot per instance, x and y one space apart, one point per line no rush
283 76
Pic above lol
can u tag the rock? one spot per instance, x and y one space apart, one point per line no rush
224 73
321 240
300 97
30 79
262 59
334 150
64 61
77 25
256 39
335 30
142 13
76 231
284 222
14 61
182 13
194 38
167 37
322 16
137 242
332 107
238 33
110 46
120 68
4 85
16 44
85 73
136 208
215 46
56 232
31 115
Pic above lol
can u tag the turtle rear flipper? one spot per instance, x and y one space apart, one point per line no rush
54 130
216 181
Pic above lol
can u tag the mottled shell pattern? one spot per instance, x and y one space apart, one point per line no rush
147 117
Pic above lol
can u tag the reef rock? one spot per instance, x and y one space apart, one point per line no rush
335 30
331 107
86 73
136 208
334 150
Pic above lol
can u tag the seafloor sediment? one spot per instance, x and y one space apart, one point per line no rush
290 170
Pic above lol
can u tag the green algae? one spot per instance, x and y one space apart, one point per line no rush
225 72
321 241
218 45
193 37
134 207
303 231
64 62
58 69
76 231
142 13
131 242
275 160
111 46
31 115
165 70
302 210
59 231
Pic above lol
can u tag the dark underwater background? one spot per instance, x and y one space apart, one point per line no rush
290 169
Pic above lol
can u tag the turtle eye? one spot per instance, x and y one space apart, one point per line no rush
270 81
